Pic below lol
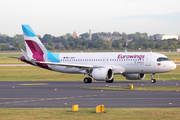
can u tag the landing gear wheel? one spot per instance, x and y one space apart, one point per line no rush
87 80
90 80
153 81
152 78
110 81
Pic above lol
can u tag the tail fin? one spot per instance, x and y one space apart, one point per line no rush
35 49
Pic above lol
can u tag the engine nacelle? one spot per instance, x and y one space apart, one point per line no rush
135 76
102 74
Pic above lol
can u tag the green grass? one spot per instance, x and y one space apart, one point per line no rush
164 88
30 73
174 58
89 114
6 60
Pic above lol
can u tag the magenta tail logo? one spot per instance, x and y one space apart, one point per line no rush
36 50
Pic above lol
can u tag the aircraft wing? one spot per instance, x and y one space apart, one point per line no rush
67 64
117 68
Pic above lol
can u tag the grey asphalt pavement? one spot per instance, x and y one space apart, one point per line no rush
65 94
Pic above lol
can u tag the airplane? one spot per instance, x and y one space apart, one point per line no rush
99 66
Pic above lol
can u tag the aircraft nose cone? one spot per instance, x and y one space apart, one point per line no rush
173 66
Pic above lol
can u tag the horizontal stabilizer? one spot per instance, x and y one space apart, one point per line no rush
26 57
14 57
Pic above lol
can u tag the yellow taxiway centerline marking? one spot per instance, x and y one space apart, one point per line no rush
7 102
41 99
49 99
80 96
35 84
87 95
65 98
95 95
16 98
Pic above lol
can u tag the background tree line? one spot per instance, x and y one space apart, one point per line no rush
68 42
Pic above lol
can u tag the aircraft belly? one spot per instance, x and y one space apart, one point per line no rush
140 70
134 68
65 69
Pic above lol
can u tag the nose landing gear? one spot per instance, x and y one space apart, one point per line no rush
152 78
153 81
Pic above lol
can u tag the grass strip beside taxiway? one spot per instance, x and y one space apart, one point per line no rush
89 113
154 88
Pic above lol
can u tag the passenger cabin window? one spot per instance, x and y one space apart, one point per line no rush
162 59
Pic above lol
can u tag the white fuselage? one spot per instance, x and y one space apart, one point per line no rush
131 62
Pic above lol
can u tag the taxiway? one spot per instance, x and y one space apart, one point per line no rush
65 94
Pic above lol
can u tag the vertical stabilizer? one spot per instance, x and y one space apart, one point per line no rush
35 49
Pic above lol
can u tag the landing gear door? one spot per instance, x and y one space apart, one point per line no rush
148 60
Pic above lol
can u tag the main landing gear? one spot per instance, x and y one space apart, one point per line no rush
87 80
152 78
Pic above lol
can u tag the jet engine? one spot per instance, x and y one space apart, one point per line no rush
102 74
135 76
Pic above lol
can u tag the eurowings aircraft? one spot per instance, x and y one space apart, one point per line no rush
99 66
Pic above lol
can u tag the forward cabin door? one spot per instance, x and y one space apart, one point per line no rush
148 60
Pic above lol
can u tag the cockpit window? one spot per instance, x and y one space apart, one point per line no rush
162 59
